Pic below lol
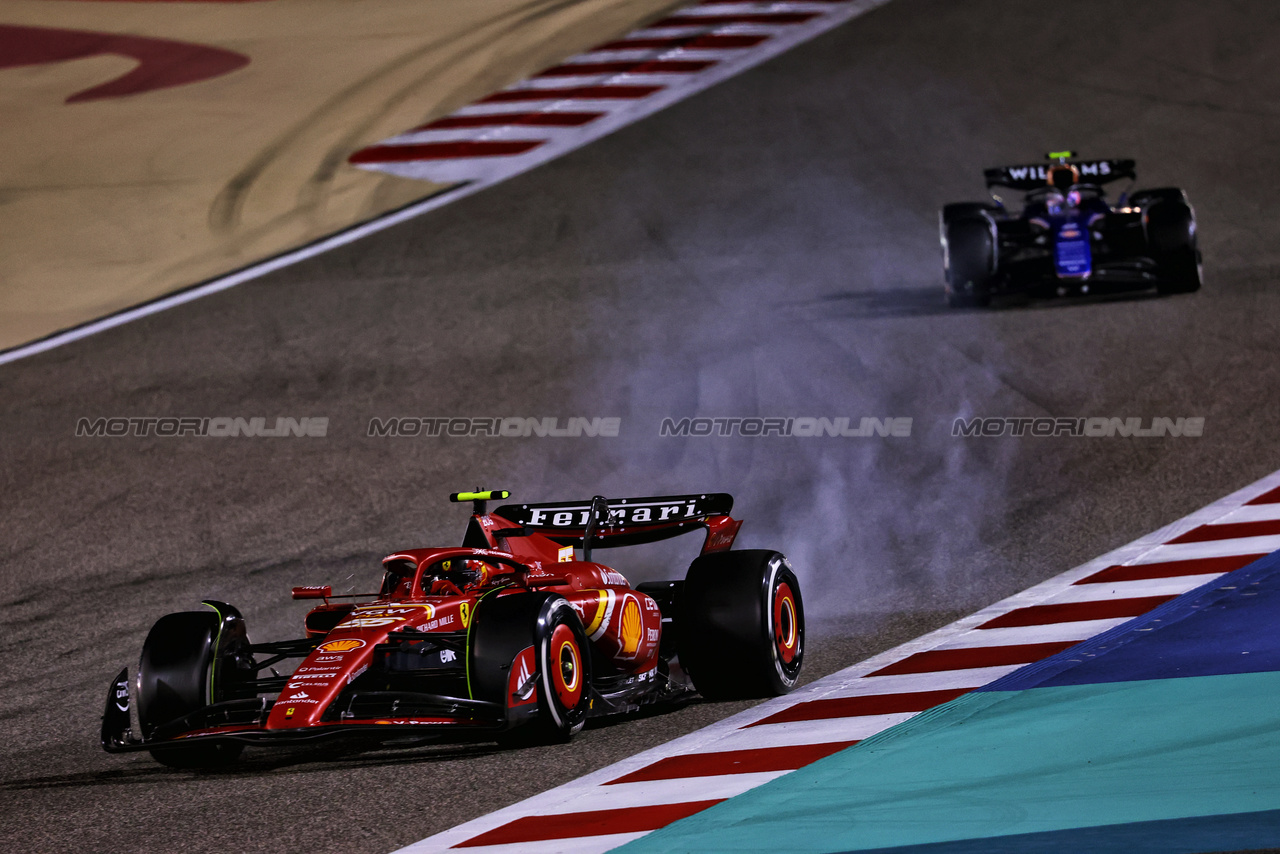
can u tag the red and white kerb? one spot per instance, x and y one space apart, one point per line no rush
594 93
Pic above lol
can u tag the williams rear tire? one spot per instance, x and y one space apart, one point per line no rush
1170 225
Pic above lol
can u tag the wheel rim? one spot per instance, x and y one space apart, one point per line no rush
565 667
786 626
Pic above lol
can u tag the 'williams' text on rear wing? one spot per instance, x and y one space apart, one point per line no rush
1035 175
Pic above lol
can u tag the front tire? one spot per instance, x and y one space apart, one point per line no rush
504 628
742 625
176 678
968 254
565 672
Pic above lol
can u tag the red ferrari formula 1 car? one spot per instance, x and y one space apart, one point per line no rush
510 637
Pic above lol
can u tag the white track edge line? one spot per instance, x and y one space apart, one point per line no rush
244 274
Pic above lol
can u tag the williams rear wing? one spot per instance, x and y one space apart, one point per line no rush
629 521
1032 176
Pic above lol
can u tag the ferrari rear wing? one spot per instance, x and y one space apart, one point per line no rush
1035 175
629 521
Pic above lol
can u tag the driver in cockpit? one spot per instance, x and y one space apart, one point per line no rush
454 576
1062 179
1063 194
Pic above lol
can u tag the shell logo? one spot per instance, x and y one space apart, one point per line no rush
345 645
632 626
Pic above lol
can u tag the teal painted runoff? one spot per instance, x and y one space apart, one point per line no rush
1000 763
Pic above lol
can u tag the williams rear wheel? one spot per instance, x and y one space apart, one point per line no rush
1170 225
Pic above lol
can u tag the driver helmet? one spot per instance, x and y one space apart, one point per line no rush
462 572
1063 176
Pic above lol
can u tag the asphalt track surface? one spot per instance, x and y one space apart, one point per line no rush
766 248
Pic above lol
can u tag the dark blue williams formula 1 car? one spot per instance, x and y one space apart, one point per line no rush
1068 239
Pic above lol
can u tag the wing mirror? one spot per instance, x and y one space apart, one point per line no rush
313 592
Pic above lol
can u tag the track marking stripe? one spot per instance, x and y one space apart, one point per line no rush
694 42
576 845
579 93
1067 612
1271 497
675 790
1215 548
543 119
1175 585
695 20
443 150
590 823
981 656
868 704
1229 531
1074 631
644 66
1254 513
909 683
820 731
1171 569
749 761
795 733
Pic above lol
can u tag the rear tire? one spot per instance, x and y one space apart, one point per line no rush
175 676
968 254
1180 273
742 625
1171 239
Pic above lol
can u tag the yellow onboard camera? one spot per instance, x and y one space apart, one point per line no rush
479 497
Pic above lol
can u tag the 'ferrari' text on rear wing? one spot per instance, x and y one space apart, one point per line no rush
630 521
